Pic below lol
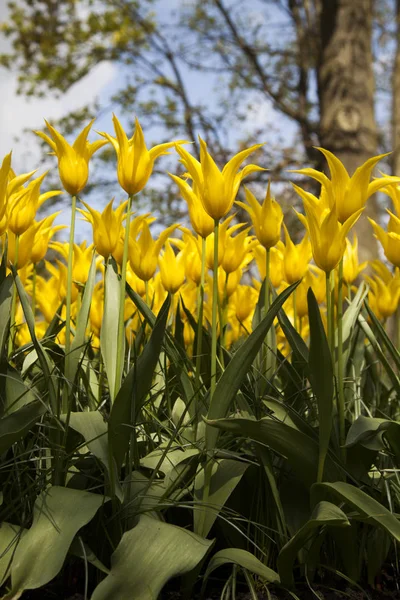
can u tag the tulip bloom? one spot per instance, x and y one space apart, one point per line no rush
73 161
217 189
237 250
296 258
134 162
348 194
107 226
351 267
144 252
327 235
390 240
22 205
266 218
200 220
172 269
43 235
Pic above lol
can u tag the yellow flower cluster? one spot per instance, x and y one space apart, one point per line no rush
181 261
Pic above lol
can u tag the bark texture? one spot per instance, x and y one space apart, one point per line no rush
346 89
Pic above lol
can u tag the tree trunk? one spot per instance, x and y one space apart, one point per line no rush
396 100
346 93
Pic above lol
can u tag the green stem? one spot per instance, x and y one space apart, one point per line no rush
209 463
329 312
214 313
294 310
34 273
121 322
267 283
13 302
68 301
340 366
200 300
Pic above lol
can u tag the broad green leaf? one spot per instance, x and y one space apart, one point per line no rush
147 557
187 391
370 510
78 343
395 381
300 450
349 320
324 513
17 392
236 371
93 429
226 474
321 377
296 342
5 311
46 363
9 537
243 559
366 431
109 326
58 515
136 386
17 424
383 336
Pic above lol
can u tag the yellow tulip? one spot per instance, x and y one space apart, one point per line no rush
82 258
107 226
390 240
295 257
144 252
73 161
172 268
224 232
237 250
43 235
327 234
266 217
385 295
134 162
23 205
217 189
351 267
244 301
276 255
25 244
348 194
201 222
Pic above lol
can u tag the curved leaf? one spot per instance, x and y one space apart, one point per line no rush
147 557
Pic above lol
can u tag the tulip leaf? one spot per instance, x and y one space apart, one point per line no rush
395 381
59 513
147 557
236 371
17 424
17 392
383 336
109 327
78 343
296 342
321 377
324 513
93 429
226 474
300 449
9 537
243 559
46 364
187 391
136 386
5 311
371 510
349 320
